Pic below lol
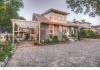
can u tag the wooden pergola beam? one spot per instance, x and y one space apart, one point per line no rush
24 24
13 32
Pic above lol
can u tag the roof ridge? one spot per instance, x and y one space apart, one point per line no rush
55 10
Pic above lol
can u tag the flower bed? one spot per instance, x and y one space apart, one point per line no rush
51 40
6 52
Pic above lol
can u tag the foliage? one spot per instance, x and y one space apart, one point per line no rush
2 6
91 34
92 7
51 40
6 52
65 39
26 36
1 45
98 36
82 33
87 34
36 42
47 41
11 11
55 39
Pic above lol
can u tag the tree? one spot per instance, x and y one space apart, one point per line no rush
10 10
91 7
2 6
21 18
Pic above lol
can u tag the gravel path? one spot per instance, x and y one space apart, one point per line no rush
85 53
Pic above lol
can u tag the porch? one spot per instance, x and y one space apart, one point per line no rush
57 30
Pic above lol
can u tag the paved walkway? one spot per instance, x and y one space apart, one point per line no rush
25 44
85 53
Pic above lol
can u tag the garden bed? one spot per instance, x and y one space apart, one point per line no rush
5 54
52 40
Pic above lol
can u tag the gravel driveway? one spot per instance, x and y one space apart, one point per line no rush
85 53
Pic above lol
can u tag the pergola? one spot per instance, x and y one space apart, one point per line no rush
24 24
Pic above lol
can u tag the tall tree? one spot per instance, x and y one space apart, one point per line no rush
2 6
11 8
91 7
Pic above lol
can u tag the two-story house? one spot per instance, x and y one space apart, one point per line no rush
52 22
96 29
83 24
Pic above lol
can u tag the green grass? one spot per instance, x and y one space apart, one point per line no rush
6 52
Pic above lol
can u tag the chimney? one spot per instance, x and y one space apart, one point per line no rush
83 21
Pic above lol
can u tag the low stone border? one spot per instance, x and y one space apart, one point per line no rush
4 63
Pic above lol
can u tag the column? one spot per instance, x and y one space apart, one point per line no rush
13 37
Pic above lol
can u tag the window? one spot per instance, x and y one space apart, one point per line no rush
51 17
51 29
62 18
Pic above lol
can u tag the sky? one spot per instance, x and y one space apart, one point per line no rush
40 6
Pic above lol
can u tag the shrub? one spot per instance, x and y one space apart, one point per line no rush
36 42
51 40
1 47
65 39
55 39
91 34
26 36
87 34
47 41
98 36
50 36
82 34
6 52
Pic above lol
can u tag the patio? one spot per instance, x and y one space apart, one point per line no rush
85 53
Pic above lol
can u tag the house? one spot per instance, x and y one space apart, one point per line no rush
83 24
53 22
96 29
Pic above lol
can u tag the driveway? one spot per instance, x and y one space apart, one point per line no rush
84 53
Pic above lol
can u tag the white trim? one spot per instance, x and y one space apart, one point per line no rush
13 24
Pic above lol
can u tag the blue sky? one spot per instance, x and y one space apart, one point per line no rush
40 6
